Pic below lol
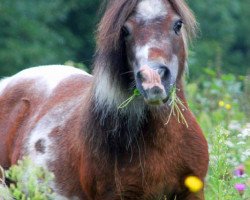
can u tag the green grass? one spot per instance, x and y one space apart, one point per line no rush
30 182
219 106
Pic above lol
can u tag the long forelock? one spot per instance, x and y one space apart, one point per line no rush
109 29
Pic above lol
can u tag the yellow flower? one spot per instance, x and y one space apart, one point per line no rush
221 103
228 106
193 183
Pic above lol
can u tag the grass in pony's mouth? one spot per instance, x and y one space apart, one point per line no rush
125 103
176 108
176 105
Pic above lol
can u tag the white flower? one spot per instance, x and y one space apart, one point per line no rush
241 143
229 144
234 125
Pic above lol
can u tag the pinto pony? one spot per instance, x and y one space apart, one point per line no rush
68 121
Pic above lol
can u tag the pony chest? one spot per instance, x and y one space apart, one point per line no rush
156 174
139 179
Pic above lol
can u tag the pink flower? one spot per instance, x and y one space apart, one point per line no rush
240 187
239 171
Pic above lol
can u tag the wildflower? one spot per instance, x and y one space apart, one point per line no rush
193 183
239 171
221 103
246 131
234 125
228 106
240 187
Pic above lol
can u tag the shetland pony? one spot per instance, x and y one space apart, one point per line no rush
68 121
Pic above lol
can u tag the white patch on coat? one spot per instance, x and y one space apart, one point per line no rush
56 117
3 83
107 91
109 96
142 53
48 75
148 10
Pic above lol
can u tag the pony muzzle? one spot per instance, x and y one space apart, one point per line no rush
153 84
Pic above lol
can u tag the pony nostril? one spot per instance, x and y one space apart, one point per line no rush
140 76
164 73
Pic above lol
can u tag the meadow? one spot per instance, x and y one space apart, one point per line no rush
221 103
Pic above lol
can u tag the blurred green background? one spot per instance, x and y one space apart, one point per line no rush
36 32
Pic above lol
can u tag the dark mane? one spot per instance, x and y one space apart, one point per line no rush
110 47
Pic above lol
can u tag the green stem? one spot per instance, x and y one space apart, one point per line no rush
125 103
176 107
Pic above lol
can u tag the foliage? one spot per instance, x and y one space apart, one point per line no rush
28 182
246 95
44 32
51 32
223 40
77 65
220 180
215 99
217 102
4 191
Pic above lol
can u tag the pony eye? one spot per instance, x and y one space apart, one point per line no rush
177 26
125 32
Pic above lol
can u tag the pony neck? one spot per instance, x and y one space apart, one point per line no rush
110 128
118 130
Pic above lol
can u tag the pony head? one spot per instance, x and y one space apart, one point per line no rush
147 43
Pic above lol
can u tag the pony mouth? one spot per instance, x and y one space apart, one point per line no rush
158 102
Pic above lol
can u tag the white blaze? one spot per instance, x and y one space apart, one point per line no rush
151 9
174 68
